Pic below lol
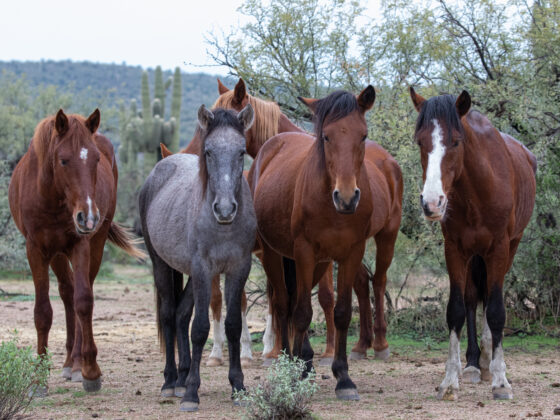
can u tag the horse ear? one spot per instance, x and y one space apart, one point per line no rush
221 88
417 100
463 103
164 151
239 92
61 122
93 121
204 117
309 103
366 98
246 117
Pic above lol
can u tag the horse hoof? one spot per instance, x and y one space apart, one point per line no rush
327 361
354 355
471 374
180 391
502 393
447 394
77 376
38 392
67 373
168 392
349 394
214 361
382 354
246 362
188 406
485 375
91 385
267 362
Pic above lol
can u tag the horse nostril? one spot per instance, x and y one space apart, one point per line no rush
80 218
335 195
356 193
233 208
440 200
215 207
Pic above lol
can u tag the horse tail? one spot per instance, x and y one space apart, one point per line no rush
478 273
123 238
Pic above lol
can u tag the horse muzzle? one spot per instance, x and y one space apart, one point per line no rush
434 209
346 205
86 224
224 212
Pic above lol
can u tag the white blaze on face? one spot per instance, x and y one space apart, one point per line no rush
83 154
433 188
89 222
226 177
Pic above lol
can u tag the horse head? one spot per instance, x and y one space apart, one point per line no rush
222 156
440 135
74 166
341 131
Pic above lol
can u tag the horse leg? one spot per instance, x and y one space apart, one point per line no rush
475 275
83 305
216 355
347 270
182 321
202 289
326 300
456 267
361 287
303 311
43 309
385 243
496 317
246 354
61 268
235 282
273 267
271 335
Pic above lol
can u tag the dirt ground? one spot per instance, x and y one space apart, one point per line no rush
128 354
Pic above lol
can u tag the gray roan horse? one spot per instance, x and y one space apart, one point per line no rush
197 217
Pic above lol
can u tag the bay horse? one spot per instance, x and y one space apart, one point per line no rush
480 185
197 218
318 199
62 197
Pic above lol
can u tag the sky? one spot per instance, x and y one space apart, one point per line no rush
148 33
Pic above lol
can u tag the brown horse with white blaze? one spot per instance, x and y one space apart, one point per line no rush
62 197
480 185
318 199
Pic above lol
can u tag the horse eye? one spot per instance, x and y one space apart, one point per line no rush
325 138
365 137
207 153
63 162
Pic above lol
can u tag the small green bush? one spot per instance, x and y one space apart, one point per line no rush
283 394
22 372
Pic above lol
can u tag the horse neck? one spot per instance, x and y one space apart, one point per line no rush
476 176
286 126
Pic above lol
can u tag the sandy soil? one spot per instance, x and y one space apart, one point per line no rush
132 366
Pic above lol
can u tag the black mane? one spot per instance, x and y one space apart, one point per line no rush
441 108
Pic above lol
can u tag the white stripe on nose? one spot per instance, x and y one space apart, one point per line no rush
89 222
433 188
83 154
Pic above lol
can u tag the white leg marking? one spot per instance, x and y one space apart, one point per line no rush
498 369
269 336
433 187
219 338
450 384
83 154
485 346
245 339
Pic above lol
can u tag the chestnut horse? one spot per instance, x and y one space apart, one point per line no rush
62 196
480 185
318 199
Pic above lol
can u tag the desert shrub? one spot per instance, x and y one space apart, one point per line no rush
283 394
22 372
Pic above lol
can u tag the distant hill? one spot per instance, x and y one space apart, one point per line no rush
107 84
